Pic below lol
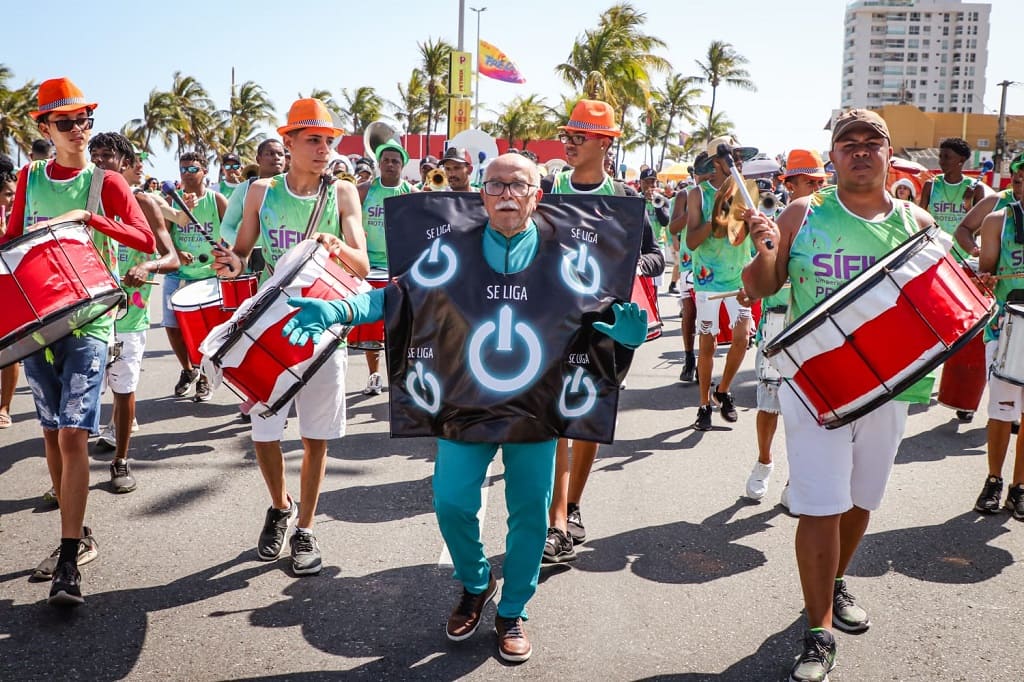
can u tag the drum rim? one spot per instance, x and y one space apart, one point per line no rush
905 383
36 233
211 282
1016 310
16 336
801 327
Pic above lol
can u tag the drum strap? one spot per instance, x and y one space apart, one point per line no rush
92 204
1018 222
318 210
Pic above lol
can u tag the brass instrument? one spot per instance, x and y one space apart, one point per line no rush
728 209
769 203
252 170
658 200
437 180
376 134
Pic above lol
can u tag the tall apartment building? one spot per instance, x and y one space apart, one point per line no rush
928 53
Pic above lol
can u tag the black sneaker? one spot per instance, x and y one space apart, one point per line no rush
1014 502
846 615
88 550
726 405
574 524
185 381
818 658
988 501
271 543
689 373
703 422
121 476
965 415
203 391
558 547
66 589
305 553
672 288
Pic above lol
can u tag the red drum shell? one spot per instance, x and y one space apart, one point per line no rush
198 308
234 292
370 336
645 295
964 375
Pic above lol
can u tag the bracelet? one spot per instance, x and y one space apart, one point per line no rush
89 219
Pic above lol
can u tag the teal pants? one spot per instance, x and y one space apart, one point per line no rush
459 473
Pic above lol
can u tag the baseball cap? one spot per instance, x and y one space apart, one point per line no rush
859 118
1017 163
457 154
648 173
429 161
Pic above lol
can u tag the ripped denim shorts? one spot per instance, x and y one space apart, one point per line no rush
66 385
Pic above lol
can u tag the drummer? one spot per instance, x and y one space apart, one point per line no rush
967 231
837 477
391 158
803 176
1002 254
276 214
66 376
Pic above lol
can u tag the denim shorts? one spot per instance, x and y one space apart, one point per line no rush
171 284
67 391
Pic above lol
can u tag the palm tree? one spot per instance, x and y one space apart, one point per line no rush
17 128
723 65
716 126
435 56
676 100
157 121
362 107
237 131
411 109
524 119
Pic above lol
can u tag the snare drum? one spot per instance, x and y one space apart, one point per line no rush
774 323
882 331
1008 363
249 352
234 291
645 295
370 336
52 282
198 308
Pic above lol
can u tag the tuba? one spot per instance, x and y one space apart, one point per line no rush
437 180
376 134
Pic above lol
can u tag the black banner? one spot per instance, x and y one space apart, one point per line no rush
479 356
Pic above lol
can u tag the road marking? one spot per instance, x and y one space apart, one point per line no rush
445 560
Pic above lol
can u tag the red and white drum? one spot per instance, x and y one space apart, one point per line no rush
882 331
1008 362
249 352
370 336
52 282
198 308
773 324
233 292
645 295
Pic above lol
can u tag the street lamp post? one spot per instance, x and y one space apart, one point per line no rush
476 94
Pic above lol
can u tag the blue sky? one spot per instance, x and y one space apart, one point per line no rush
121 50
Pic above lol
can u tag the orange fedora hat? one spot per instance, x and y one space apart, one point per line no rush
804 162
60 94
593 116
310 113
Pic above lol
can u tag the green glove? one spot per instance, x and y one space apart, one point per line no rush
630 328
315 316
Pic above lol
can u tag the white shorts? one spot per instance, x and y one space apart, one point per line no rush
831 471
767 389
685 283
320 406
123 372
1005 400
707 312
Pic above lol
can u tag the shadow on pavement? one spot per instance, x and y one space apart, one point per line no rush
944 441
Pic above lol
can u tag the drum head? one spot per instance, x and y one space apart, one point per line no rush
197 295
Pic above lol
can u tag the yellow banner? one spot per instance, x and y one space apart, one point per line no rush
460 74
460 113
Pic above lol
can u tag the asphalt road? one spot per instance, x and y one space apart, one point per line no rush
680 579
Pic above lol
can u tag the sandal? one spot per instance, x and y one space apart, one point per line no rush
5 420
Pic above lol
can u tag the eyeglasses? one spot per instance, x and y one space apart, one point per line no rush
232 166
65 125
576 138
190 169
496 188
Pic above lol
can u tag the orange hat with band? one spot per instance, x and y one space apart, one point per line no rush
805 162
310 113
593 116
59 95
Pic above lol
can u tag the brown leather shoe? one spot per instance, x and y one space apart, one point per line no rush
513 644
466 617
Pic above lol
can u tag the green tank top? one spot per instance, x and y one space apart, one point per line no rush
137 317
685 257
226 188
717 264
284 217
46 199
660 231
373 219
189 238
946 202
1011 261
562 184
1005 199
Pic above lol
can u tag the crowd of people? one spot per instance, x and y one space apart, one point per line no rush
739 274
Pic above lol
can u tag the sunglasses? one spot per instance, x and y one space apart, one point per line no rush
66 125
232 166
496 188
577 138
190 169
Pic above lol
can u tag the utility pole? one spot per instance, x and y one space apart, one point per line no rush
997 158
462 22
476 68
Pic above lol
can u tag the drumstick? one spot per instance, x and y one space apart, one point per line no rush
727 294
168 189
1015 275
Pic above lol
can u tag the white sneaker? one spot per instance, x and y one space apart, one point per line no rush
108 437
757 484
784 499
135 425
374 385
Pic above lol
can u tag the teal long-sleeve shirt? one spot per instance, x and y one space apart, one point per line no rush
505 255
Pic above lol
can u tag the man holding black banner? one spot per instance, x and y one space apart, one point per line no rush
522 410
